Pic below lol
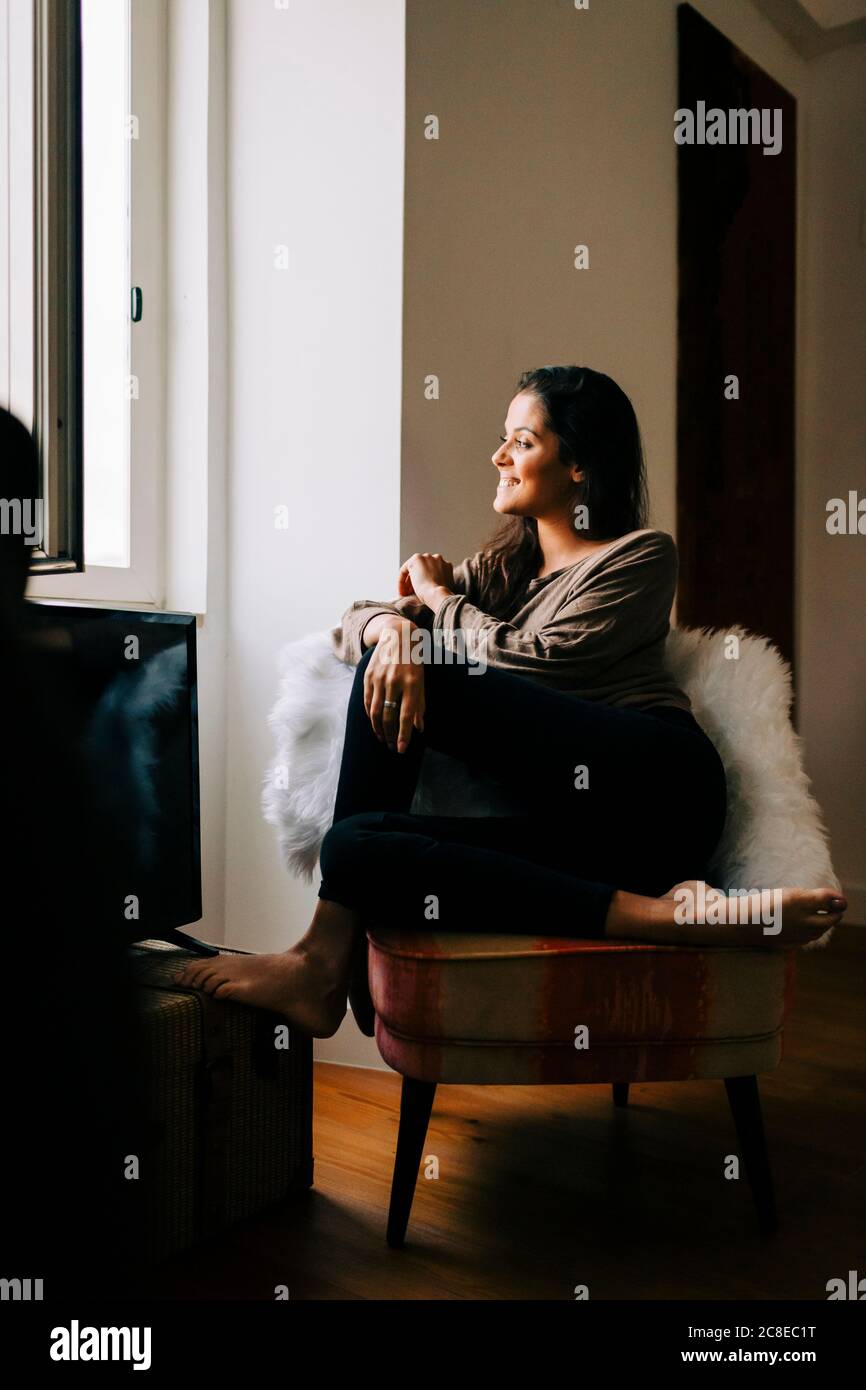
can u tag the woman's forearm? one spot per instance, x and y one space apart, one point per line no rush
377 625
428 605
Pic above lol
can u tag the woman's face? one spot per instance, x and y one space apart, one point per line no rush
532 480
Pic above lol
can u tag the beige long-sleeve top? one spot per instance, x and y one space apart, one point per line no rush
595 629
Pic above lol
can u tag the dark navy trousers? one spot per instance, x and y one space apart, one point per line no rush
609 799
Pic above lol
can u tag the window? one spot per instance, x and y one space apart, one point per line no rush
107 131
81 158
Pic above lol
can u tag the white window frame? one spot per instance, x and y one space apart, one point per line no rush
143 582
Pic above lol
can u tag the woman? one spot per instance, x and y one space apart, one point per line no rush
564 699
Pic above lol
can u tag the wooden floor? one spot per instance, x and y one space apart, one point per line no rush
543 1188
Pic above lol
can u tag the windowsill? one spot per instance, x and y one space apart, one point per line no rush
106 603
106 585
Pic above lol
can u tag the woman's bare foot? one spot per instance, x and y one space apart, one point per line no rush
292 983
694 914
307 984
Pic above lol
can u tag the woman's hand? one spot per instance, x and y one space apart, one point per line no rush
390 677
429 577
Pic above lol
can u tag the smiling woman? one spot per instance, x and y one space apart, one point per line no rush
587 609
577 716
572 463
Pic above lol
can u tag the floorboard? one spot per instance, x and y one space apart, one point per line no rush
544 1188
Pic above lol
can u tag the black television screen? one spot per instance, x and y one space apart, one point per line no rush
126 691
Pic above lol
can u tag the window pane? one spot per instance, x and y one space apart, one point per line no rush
17 237
105 198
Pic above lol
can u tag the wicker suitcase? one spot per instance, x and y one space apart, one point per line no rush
230 1113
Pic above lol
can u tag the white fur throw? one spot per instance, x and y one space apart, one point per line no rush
773 837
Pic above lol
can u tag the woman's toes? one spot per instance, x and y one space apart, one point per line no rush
823 906
834 901
208 980
191 973
822 921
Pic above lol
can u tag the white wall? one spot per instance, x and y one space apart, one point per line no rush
315 162
196 390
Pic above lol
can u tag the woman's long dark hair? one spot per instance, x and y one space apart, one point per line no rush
598 430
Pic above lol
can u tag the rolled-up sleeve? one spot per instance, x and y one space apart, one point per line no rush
348 638
626 606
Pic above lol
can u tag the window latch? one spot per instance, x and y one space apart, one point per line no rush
137 304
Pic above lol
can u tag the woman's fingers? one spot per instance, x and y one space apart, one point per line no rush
407 724
399 702
376 713
385 702
368 691
394 700
391 715
374 696
412 715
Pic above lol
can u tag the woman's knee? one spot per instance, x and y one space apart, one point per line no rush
343 845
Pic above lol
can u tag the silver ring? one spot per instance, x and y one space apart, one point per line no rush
390 704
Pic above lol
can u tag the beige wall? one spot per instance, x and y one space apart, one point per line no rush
832 593
556 128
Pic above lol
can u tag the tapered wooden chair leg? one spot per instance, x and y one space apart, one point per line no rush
745 1102
620 1093
416 1103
